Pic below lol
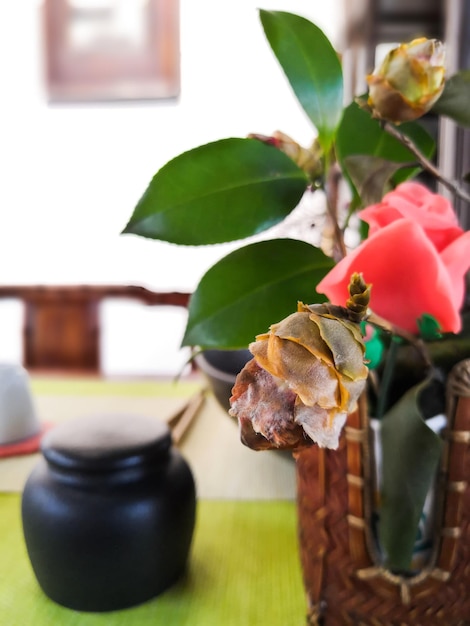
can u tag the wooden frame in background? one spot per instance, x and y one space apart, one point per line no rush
109 50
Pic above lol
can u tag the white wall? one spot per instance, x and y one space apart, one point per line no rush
71 175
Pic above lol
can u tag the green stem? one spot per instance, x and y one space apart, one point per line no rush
417 343
398 336
333 176
387 377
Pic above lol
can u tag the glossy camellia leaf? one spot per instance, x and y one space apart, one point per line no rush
312 67
454 101
371 176
222 191
359 133
250 289
411 453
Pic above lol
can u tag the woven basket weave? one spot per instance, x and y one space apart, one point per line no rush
344 582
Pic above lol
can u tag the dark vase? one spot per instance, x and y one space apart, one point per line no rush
221 367
109 512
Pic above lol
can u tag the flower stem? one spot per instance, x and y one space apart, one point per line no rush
332 182
417 343
453 186
398 336
385 383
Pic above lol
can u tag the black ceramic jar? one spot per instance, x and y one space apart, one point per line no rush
108 512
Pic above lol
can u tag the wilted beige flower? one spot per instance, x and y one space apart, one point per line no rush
308 159
306 376
408 82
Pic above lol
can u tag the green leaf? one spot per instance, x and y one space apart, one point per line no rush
429 327
359 133
411 453
252 288
371 176
374 346
218 192
454 100
312 68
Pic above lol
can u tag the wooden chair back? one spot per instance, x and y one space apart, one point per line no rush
61 326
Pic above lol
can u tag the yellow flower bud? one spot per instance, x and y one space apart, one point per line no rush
408 82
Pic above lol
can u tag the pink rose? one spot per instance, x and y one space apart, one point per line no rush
430 210
416 257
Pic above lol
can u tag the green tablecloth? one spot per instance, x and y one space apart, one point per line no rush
243 571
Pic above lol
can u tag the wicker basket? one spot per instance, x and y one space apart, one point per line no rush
343 580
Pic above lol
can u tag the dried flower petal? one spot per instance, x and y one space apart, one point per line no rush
320 426
264 407
309 374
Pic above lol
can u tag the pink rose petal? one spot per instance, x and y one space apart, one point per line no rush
408 277
412 200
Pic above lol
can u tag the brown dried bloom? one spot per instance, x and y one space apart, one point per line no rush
306 376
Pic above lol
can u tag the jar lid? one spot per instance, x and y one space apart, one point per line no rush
107 442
